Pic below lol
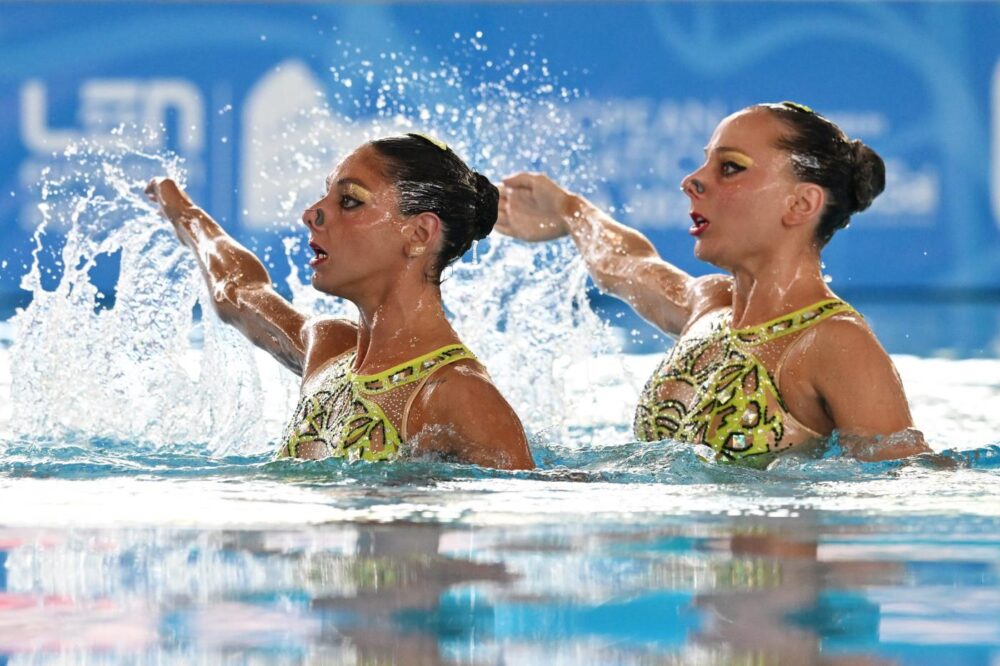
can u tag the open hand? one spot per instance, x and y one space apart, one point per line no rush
532 208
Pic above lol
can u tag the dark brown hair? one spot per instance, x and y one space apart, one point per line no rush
851 173
430 177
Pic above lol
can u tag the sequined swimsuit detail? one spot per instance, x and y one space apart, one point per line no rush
712 388
343 415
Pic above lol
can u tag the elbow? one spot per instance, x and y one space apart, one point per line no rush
225 302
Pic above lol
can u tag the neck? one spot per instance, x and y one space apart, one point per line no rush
399 324
780 283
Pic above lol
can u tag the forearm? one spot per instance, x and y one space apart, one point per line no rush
241 289
874 448
623 262
227 266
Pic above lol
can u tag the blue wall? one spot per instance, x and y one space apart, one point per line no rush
646 81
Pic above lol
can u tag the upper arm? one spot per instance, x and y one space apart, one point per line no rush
461 414
670 299
857 381
241 290
861 391
299 342
268 320
625 263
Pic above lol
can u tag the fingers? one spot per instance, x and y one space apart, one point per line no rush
521 180
503 227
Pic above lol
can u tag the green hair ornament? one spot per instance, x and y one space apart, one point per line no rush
430 139
798 107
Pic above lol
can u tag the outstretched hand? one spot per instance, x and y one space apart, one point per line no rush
175 205
532 208
173 201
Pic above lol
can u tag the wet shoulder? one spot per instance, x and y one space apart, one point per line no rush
845 337
461 391
327 340
461 415
710 296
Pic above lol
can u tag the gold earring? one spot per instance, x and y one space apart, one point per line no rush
417 251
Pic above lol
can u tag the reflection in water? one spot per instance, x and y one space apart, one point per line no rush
716 591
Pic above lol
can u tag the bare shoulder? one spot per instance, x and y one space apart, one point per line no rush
855 378
332 329
459 392
708 293
846 337
326 338
461 414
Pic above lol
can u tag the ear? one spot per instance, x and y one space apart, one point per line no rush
804 205
420 234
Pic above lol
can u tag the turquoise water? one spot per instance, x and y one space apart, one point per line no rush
116 553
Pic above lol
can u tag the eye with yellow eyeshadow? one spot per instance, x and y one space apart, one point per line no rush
348 202
731 168
354 196
732 162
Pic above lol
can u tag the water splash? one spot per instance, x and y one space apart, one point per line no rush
128 371
143 370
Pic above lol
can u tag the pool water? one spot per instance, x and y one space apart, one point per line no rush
116 551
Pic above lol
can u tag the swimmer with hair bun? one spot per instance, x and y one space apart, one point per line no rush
399 382
767 358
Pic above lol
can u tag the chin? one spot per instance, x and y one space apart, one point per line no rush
704 254
701 252
321 285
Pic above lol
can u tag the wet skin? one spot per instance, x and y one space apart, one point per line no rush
366 251
754 219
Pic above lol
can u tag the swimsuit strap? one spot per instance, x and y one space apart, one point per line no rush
792 322
411 371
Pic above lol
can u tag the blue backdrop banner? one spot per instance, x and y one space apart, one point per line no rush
615 99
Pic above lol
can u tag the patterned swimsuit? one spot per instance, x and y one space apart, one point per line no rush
343 415
713 388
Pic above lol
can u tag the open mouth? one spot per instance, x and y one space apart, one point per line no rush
700 224
320 253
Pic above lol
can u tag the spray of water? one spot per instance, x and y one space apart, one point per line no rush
127 371
138 371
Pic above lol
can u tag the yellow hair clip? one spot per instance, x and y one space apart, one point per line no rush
426 137
798 107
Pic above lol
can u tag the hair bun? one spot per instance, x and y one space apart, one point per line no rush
868 179
487 202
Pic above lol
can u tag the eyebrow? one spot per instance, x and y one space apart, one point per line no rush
727 149
344 181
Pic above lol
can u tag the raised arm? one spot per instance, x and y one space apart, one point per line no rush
238 282
621 260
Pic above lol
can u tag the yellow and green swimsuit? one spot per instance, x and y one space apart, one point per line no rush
343 415
713 387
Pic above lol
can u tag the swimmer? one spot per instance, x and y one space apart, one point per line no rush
399 382
768 357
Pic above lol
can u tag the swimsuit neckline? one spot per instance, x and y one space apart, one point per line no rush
409 371
789 322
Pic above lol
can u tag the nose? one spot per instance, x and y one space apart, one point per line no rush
312 217
692 186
